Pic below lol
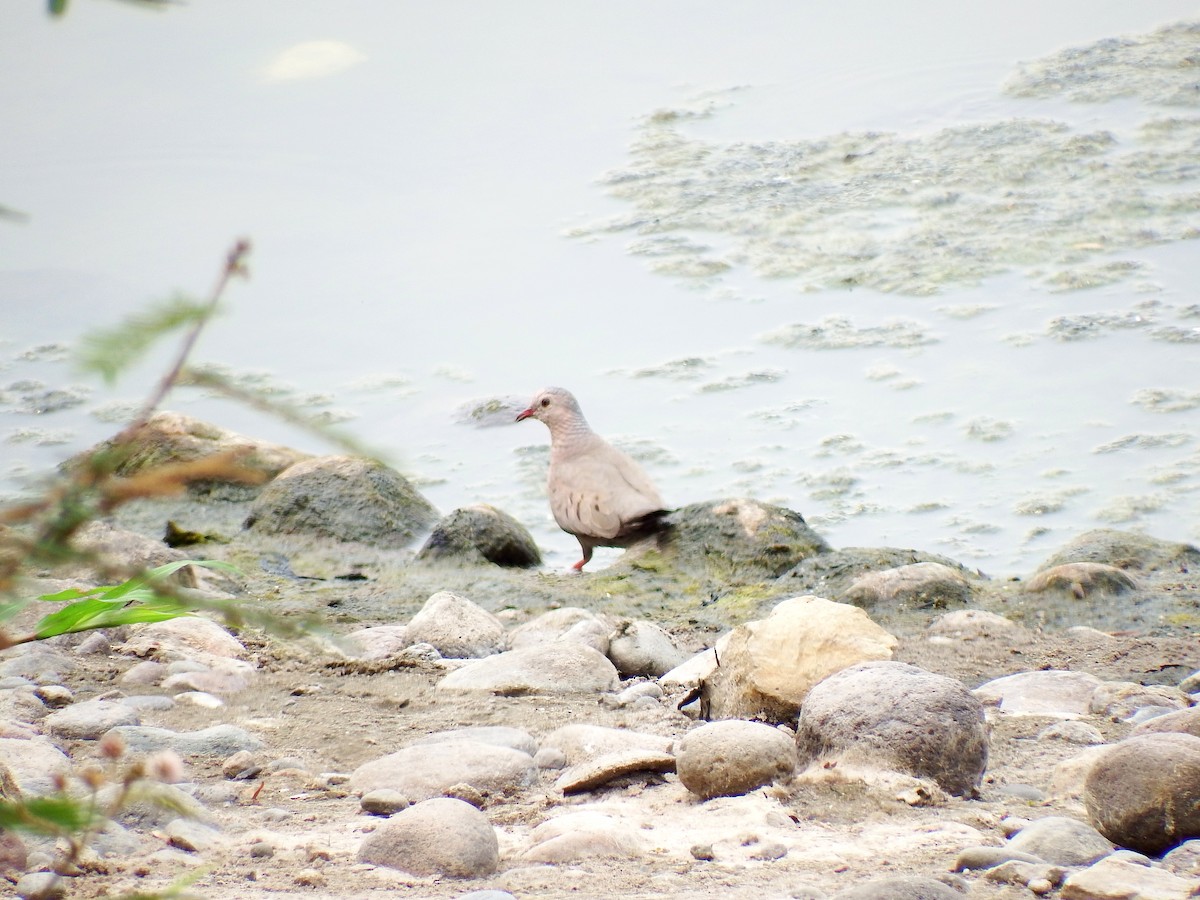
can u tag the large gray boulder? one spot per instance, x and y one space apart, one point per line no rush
1144 792
345 498
895 716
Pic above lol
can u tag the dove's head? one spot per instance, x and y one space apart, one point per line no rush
555 406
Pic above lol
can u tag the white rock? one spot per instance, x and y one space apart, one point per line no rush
642 648
768 666
580 835
1049 692
582 742
730 757
458 628
441 836
188 636
378 642
569 623
1115 879
554 668
419 773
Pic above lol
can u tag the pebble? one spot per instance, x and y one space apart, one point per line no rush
458 628
569 623
1039 877
383 802
1185 859
643 690
41 886
643 648
194 837
191 637
38 664
155 702
419 774
555 668
441 836
1121 700
199 698
1072 731
145 672
54 695
379 642
976 858
733 757
1182 720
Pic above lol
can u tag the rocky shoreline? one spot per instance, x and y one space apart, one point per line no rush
741 710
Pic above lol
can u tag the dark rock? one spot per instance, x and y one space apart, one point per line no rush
1124 550
1144 792
345 498
898 717
481 533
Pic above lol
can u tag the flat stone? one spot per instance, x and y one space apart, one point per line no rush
1114 879
420 774
593 773
1043 693
90 719
556 668
217 740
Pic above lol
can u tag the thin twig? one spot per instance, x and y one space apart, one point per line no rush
234 266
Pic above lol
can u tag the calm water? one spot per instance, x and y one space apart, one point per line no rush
449 203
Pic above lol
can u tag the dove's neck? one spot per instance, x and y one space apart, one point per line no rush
571 436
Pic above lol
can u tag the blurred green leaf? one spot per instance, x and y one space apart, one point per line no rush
48 815
128 603
58 7
110 351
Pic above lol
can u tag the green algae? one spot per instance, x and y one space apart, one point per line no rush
918 213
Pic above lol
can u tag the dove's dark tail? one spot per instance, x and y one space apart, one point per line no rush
652 524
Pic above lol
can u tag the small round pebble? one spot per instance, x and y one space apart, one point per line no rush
383 802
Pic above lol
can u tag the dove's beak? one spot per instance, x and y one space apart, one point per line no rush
524 415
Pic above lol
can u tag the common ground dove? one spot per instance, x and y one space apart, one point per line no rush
597 493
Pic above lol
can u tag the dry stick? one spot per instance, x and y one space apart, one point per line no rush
55 532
